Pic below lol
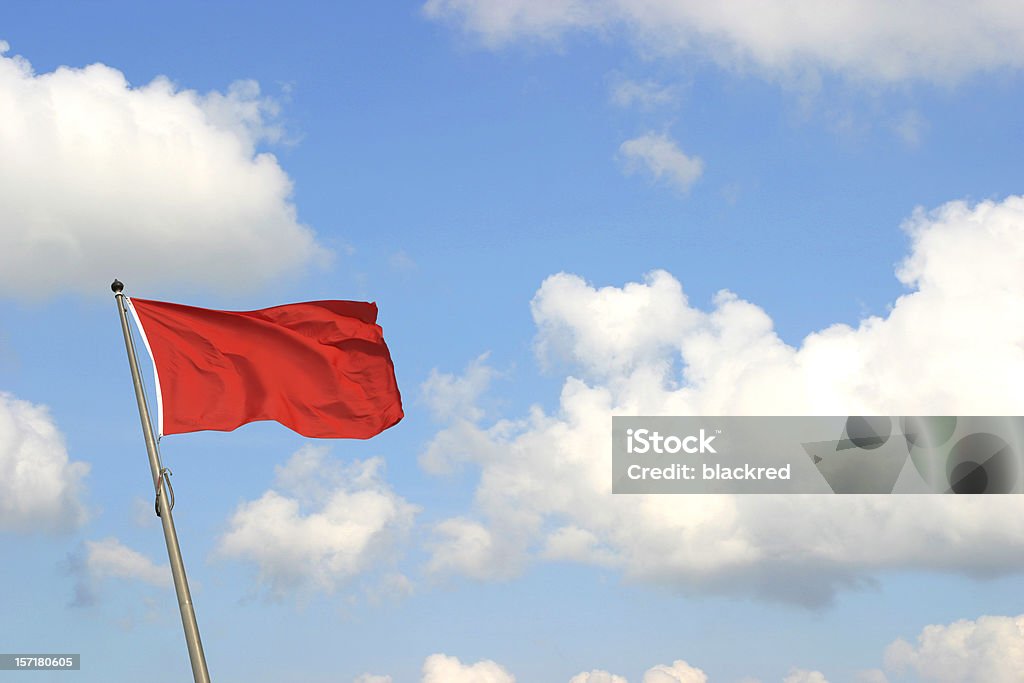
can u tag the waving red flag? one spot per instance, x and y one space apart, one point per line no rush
320 368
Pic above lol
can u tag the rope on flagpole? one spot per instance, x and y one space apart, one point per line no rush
164 478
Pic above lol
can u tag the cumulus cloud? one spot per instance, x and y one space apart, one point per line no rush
468 548
244 111
449 397
40 487
678 672
659 155
545 489
989 649
441 668
153 184
322 524
872 40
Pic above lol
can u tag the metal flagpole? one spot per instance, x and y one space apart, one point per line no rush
164 505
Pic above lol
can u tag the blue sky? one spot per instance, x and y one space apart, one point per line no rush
564 211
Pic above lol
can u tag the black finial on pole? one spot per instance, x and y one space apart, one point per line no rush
117 286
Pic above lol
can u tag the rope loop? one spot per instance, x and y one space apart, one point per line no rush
165 477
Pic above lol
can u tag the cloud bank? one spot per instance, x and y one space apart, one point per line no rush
989 649
152 184
954 344
869 40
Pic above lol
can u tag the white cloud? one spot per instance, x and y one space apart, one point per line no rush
151 184
597 676
678 672
644 94
109 558
503 21
323 524
244 112
804 676
40 488
454 397
545 491
571 542
989 649
97 561
864 39
441 668
658 154
468 548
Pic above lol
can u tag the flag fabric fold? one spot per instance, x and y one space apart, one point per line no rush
320 368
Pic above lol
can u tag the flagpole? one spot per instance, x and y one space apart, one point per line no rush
188 614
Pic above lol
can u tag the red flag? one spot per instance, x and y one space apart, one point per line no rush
320 368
